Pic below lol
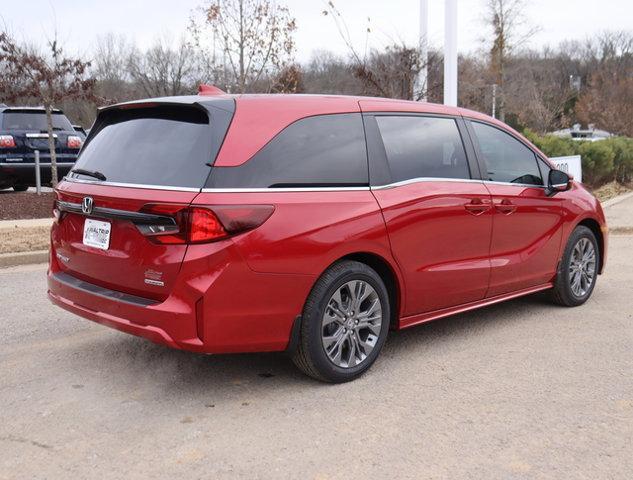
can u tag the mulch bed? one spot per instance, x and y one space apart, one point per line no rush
18 206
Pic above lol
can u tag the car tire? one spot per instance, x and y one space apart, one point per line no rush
20 188
344 324
578 269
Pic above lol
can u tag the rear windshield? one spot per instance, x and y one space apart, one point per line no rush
157 146
34 121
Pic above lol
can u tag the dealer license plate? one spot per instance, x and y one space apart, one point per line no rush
97 234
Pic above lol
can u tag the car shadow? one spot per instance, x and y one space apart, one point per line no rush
132 360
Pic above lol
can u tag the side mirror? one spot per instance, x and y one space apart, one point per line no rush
558 181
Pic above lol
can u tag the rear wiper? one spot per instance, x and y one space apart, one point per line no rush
89 173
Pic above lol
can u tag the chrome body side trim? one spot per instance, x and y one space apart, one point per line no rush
131 185
299 189
524 185
138 218
283 189
425 180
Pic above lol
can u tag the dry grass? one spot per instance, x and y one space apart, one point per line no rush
14 240
611 190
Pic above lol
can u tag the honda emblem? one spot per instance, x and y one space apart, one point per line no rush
86 205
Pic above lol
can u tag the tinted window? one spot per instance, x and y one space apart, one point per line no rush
545 169
164 146
423 147
34 121
507 159
325 150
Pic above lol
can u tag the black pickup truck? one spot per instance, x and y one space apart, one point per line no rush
23 130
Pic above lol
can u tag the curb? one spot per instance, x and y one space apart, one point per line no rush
616 200
28 223
23 258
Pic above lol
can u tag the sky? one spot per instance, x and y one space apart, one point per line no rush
79 23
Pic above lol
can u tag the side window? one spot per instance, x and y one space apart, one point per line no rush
319 151
507 159
545 169
423 147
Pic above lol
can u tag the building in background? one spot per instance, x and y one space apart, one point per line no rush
590 134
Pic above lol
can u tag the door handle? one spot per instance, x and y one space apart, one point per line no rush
505 206
477 206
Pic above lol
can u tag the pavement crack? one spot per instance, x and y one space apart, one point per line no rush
16 439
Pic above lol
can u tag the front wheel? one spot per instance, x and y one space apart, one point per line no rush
20 188
578 269
345 323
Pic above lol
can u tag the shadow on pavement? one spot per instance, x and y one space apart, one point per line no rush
127 362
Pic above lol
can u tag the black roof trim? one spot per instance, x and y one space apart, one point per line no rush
5 108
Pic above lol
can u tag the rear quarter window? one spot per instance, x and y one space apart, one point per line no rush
319 151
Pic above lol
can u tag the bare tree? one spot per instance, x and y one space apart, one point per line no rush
608 99
243 40
329 73
163 70
509 28
50 78
387 73
289 80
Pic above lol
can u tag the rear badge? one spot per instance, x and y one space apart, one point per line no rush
152 277
62 257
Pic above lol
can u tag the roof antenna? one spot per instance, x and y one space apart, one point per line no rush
209 90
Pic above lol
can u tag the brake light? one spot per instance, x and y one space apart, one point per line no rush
74 141
204 226
174 234
7 141
192 225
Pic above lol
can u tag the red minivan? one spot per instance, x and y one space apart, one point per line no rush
312 224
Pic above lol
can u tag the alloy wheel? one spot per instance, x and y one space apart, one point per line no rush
582 267
351 324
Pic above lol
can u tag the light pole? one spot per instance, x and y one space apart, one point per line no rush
420 87
450 52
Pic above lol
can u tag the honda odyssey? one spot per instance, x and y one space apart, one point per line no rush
311 224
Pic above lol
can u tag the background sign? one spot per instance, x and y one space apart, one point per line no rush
571 165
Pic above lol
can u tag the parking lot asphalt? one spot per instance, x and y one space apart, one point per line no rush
520 390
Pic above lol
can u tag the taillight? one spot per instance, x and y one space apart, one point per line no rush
7 141
74 141
172 231
191 225
204 226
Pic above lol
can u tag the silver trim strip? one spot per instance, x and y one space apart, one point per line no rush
515 184
132 185
39 135
276 190
297 189
424 180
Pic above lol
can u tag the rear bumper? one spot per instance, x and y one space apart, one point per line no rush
24 173
154 334
219 305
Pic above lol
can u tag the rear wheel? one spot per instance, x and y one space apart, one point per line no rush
578 269
20 188
345 323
